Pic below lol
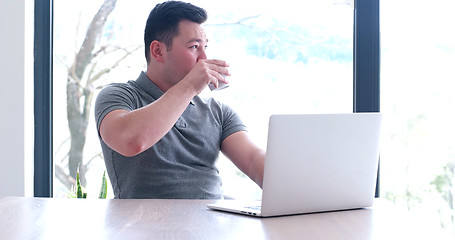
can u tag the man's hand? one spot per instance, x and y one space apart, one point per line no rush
205 72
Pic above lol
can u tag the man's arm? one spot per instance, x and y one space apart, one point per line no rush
248 157
132 132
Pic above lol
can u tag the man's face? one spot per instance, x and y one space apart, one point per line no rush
188 47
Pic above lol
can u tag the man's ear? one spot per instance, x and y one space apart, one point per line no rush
156 50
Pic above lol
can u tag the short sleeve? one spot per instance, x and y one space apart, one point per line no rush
113 97
231 122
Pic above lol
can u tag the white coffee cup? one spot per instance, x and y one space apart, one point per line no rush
221 85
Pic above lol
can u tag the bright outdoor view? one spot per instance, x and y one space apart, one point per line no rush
417 99
292 57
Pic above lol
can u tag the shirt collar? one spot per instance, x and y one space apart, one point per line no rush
146 84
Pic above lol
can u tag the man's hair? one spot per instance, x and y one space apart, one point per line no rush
163 22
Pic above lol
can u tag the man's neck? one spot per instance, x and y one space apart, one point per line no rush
162 85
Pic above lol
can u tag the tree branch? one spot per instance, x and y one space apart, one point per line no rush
84 56
65 179
239 22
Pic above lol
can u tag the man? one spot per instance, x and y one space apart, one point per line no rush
159 138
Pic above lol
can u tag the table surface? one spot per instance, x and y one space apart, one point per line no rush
47 218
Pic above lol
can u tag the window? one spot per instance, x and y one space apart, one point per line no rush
279 57
417 82
43 78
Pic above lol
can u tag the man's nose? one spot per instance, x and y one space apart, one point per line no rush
202 54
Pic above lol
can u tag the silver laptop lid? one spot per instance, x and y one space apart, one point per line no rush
320 162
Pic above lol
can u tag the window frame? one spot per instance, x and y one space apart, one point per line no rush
367 60
43 69
366 79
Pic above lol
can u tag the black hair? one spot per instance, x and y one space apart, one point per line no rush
163 22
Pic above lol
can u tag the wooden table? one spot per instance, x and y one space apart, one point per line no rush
43 218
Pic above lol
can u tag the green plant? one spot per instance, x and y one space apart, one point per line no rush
78 191
103 190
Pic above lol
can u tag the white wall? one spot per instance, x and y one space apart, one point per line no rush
16 98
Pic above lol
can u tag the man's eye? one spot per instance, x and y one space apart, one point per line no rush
194 47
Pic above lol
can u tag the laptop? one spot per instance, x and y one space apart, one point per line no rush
316 163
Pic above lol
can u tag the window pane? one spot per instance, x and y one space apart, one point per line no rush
417 83
293 57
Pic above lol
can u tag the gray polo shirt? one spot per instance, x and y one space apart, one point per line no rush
182 163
